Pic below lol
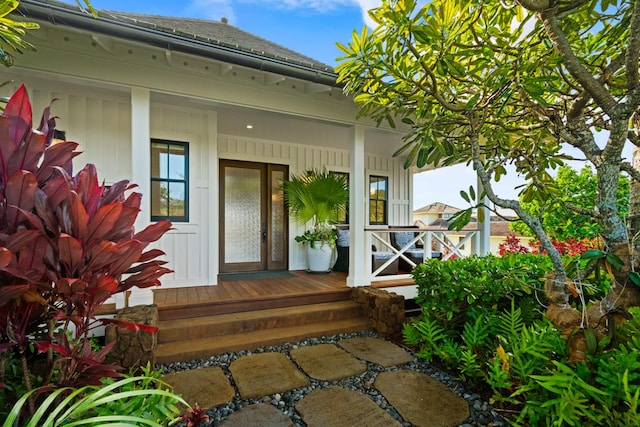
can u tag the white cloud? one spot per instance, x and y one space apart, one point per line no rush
216 9
213 9
365 6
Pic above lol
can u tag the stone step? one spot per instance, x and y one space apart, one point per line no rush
180 351
236 323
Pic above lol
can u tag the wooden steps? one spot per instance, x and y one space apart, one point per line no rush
190 309
192 338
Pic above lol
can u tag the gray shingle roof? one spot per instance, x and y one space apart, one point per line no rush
215 32
198 32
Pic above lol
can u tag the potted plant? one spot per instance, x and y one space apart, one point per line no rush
317 196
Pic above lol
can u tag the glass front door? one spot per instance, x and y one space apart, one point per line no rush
253 222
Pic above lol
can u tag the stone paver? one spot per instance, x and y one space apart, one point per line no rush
376 350
263 374
337 407
207 387
327 362
258 415
422 400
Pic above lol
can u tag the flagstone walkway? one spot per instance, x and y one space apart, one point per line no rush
417 397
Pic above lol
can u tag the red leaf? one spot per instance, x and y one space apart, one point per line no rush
18 109
20 192
5 258
70 251
130 326
102 288
9 292
146 278
150 255
56 156
57 190
153 232
149 264
103 221
124 224
19 105
27 155
115 193
79 217
128 253
22 238
102 254
43 346
88 189
44 211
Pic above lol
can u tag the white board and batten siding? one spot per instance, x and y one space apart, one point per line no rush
99 119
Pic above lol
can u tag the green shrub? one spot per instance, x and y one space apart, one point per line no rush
482 318
448 290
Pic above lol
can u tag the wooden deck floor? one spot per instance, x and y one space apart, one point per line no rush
230 296
299 283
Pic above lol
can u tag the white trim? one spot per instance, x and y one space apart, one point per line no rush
384 174
214 206
359 260
141 171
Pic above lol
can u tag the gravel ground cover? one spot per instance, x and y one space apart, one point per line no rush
481 412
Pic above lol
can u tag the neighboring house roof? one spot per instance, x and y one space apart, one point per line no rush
211 39
436 208
499 227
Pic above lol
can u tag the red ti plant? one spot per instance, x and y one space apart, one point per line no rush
67 244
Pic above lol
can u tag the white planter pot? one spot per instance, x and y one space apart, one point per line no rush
319 256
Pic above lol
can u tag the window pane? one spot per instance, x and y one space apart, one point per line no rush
177 162
378 199
159 160
159 198
177 199
169 180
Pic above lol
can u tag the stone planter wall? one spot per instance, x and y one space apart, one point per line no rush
384 310
133 348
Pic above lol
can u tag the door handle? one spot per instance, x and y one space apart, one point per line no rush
264 233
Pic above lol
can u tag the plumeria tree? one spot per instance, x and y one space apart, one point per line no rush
496 83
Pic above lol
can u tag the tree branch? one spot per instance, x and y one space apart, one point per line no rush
572 63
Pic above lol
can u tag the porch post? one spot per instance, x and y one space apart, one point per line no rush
484 234
358 275
141 171
214 204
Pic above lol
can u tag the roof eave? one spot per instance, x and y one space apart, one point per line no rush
77 19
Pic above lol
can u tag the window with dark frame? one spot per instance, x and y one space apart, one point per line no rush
343 218
169 180
378 199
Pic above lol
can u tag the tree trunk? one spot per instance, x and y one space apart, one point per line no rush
634 203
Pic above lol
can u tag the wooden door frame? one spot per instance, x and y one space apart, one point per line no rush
266 262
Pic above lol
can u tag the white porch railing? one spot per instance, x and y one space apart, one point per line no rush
438 241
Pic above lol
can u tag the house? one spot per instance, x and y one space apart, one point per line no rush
207 120
435 217
434 211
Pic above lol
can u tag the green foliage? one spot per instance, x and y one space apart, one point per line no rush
133 400
319 196
12 33
447 290
579 189
500 339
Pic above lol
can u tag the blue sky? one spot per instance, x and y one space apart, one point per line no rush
310 27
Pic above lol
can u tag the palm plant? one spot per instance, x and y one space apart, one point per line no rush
318 196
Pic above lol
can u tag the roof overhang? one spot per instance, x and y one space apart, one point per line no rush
72 16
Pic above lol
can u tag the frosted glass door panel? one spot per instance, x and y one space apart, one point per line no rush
278 234
242 220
